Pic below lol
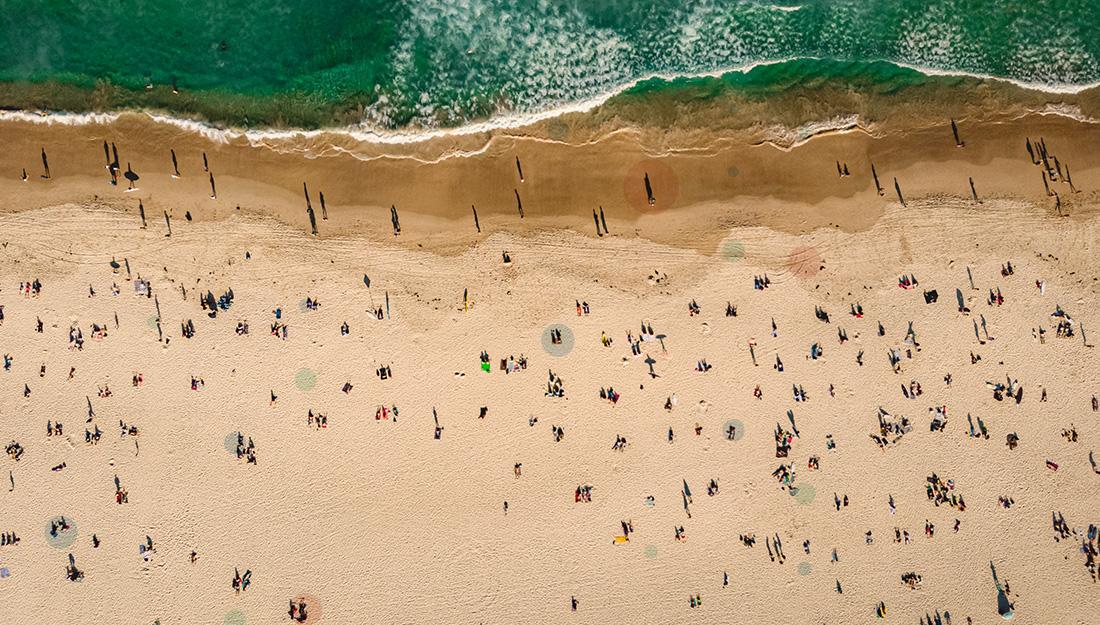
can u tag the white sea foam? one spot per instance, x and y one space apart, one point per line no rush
504 121
61 119
787 137
1070 111
360 132
1055 88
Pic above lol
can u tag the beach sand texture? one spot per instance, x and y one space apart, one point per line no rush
521 312
378 520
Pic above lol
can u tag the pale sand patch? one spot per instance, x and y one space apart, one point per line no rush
378 521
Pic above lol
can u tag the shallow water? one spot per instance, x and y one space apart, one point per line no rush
442 63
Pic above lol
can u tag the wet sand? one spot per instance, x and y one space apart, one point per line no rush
700 191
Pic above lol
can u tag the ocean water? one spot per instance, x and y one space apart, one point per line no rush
442 63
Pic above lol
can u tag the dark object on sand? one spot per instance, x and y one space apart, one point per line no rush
131 175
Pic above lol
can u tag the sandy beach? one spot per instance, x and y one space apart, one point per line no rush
379 516
516 312
663 375
701 186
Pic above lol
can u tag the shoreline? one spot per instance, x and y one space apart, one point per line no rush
664 313
32 100
703 182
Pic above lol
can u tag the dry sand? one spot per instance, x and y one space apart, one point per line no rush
376 520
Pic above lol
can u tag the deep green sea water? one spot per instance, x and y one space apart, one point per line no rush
432 63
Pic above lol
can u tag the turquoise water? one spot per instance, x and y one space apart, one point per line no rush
430 63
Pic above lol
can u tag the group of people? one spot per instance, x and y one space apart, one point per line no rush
555 386
889 432
583 494
318 421
246 451
943 492
298 611
241 582
32 288
59 526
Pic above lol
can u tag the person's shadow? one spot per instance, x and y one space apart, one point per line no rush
1004 606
